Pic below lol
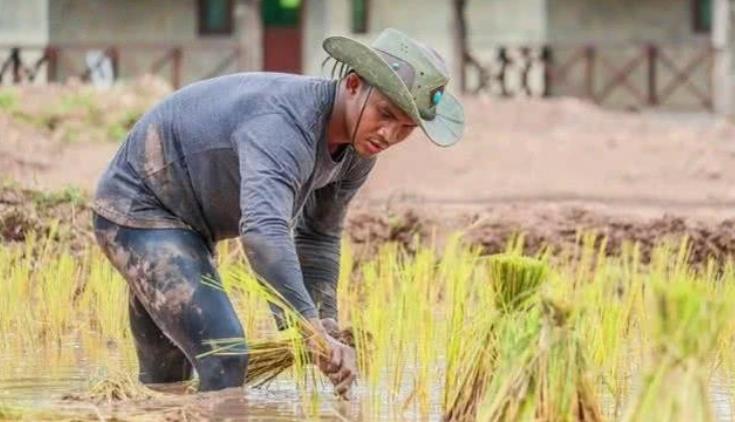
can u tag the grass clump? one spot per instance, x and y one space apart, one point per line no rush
8 100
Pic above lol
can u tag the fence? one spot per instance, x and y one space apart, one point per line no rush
630 75
24 64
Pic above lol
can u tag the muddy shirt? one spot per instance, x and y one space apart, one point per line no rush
245 155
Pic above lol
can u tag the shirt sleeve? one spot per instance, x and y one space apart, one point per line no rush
319 231
275 159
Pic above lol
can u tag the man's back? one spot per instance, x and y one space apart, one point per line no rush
181 163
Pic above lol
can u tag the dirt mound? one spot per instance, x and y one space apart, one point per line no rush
65 216
371 230
61 216
557 228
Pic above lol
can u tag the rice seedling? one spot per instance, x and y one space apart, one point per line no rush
607 302
577 335
541 371
269 359
686 324
515 282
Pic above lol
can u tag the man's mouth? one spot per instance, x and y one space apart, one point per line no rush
375 146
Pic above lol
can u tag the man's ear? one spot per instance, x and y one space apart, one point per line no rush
353 83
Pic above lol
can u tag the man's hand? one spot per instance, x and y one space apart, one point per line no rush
330 326
338 362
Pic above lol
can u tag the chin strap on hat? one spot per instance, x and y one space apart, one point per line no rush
359 118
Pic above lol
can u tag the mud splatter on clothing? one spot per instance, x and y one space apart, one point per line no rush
244 155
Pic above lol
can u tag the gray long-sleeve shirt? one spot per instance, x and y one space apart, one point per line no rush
245 155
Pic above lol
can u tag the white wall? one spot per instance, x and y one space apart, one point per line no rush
24 21
493 22
150 22
334 17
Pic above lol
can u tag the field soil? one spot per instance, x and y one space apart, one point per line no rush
546 168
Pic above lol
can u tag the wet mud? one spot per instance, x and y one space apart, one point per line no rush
66 216
557 230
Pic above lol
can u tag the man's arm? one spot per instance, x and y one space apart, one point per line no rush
319 231
275 159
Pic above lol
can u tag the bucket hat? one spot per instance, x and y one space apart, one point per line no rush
411 75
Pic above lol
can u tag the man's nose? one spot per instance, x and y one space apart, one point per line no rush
389 133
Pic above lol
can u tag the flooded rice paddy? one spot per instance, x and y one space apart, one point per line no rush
453 335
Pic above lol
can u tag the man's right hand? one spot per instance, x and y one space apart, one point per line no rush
339 363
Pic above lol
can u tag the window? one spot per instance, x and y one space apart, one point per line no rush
702 15
215 17
360 16
281 12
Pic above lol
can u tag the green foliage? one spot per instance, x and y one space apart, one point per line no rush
8 100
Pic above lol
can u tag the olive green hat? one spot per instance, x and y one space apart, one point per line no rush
412 75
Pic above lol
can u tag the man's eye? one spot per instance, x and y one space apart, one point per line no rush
386 114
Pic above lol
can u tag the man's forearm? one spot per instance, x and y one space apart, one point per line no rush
274 260
319 257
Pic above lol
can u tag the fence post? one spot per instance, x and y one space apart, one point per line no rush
547 58
114 55
652 54
501 76
52 63
251 36
176 67
16 63
721 71
590 53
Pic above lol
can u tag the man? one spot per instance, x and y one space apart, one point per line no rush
259 156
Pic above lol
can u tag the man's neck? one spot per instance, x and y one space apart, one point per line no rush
337 135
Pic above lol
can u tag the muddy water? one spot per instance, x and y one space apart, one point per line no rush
39 383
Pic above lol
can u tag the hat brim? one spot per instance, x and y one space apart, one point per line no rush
444 130
447 127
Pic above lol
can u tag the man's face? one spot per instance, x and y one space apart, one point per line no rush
382 125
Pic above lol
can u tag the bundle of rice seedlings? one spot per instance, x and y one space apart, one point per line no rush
542 376
111 386
687 324
515 282
268 359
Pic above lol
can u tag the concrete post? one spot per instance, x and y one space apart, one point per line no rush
250 35
722 69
